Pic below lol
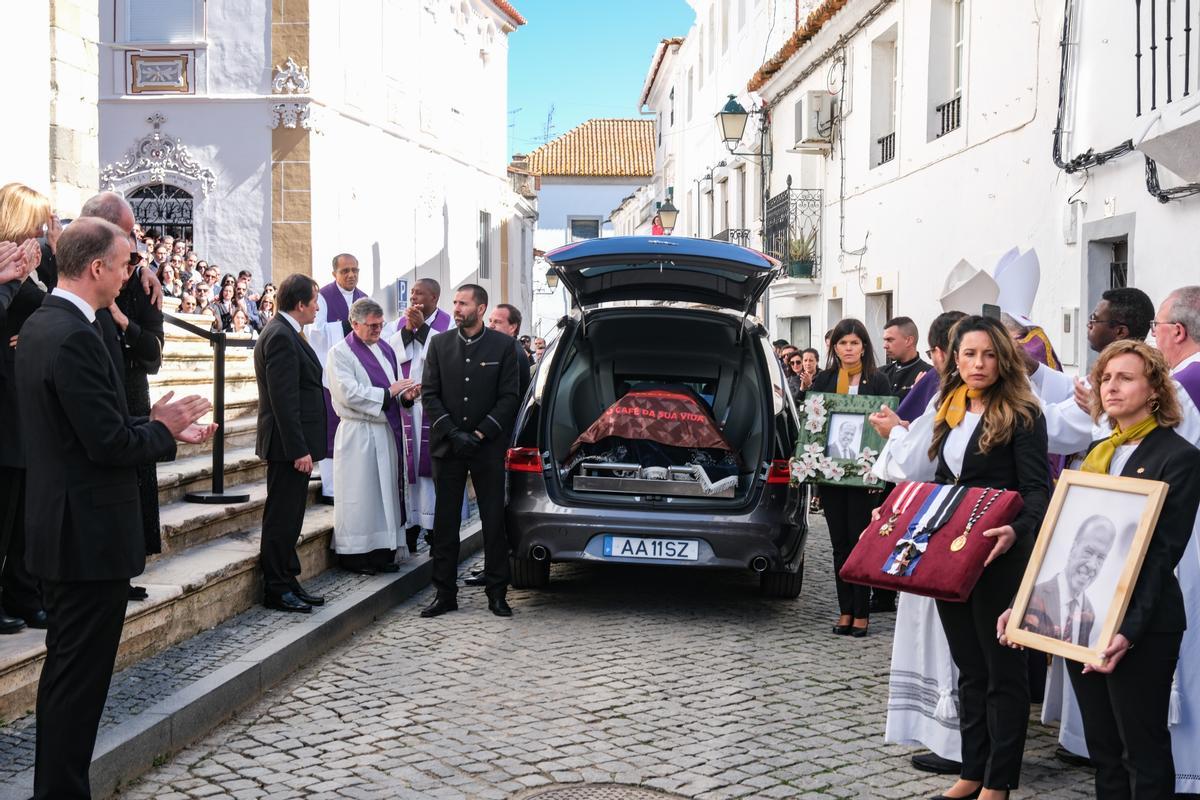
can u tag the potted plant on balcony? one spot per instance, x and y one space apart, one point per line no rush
802 254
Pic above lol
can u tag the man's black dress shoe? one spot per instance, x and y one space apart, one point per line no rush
36 619
288 601
474 580
1067 757
10 624
412 538
324 499
932 762
439 606
499 606
311 599
388 568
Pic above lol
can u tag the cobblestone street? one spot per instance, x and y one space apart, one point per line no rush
680 681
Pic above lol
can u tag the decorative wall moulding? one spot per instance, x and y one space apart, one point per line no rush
290 115
167 73
291 78
154 157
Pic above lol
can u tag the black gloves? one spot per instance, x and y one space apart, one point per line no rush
465 444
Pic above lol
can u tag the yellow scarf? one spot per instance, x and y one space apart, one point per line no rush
1101 456
844 376
954 408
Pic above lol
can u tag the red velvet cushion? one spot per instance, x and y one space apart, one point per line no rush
941 573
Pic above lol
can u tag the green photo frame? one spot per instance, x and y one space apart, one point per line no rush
837 445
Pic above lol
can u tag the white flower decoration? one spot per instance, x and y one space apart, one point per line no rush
814 424
813 450
802 470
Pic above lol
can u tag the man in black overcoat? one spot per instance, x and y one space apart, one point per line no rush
291 437
82 511
470 391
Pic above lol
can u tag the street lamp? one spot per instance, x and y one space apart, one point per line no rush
732 119
552 278
668 215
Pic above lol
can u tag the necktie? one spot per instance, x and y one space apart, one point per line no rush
302 336
1069 625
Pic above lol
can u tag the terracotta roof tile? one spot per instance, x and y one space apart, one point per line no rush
803 34
512 13
610 147
660 52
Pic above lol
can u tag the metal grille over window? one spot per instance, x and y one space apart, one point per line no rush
734 235
163 210
887 148
950 115
792 230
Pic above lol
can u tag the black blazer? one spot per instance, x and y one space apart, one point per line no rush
291 400
82 511
470 387
25 301
1020 465
1156 605
877 385
142 340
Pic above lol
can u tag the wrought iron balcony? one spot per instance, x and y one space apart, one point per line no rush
1168 129
949 114
1167 77
792 230
887 148
735 235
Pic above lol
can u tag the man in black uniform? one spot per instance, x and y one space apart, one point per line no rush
904 364
470 393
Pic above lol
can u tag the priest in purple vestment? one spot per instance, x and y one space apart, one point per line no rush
329 328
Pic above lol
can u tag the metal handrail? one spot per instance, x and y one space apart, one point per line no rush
219 341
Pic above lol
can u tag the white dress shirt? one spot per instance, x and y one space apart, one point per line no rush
84 306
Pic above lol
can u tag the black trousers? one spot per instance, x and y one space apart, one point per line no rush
81 646
19 590
486 468
283 517
993 681
848 513
1125 720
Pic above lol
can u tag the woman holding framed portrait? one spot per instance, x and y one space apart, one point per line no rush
989 432
848 509
1125 702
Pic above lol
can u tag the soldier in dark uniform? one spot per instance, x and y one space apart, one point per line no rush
470 391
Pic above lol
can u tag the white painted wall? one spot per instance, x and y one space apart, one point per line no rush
25 156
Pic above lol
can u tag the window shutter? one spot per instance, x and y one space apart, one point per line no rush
162 20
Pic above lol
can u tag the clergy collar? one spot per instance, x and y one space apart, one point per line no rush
1194 358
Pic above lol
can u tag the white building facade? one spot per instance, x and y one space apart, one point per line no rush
905 135
278 135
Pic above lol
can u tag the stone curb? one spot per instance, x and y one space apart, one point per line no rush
126 750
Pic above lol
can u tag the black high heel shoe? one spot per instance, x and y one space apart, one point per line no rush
858 632
972 796
842 630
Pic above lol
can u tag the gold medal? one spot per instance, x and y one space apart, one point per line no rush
959 543
886 528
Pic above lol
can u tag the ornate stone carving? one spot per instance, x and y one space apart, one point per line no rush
291 78
156 155
290 115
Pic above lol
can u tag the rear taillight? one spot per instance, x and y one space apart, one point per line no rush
778 472
523 459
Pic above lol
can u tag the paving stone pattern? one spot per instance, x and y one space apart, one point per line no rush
671 679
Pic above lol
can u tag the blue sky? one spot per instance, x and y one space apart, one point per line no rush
586 57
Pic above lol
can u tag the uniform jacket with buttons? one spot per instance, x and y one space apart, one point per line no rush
470 386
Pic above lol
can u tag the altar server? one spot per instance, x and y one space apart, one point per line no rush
367 394
328 329
410 337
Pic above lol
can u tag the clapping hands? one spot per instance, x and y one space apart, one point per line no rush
18 260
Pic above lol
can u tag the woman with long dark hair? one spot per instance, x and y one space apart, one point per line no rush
848 509
989 432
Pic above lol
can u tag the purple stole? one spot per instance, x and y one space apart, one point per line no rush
917 400
378 378
1037 344
336 310
1189 379
424 466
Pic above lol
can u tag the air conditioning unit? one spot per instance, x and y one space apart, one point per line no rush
814 113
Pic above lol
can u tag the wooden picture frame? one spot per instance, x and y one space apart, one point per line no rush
1097 528
837 445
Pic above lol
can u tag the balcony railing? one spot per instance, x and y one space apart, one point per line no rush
1170 73
792 230
887 148
949 115
734 235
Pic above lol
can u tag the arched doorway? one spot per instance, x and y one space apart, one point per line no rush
163 210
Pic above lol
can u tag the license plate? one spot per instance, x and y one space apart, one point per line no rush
656 549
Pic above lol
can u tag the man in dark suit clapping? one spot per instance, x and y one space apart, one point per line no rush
291 437
82 510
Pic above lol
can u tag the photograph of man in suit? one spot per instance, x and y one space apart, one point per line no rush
845 438
291 438
83 510
1060 607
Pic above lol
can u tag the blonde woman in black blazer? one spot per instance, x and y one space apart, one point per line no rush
848 509
1125 703
990 432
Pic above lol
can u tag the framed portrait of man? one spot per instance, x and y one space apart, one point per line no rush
837 445
1085 564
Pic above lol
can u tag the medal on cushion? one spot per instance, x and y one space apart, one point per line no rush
960 541
900 505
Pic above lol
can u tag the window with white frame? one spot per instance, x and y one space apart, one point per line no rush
884 79
161 21
485 245
958 46
691 99
712 37
741 13
671 99
700 57
584 228
725 7
798 120
947 66
741 190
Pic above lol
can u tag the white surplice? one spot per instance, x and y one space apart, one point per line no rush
368 514
322 336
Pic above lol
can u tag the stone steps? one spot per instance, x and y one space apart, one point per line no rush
190 591
239 432
194 473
